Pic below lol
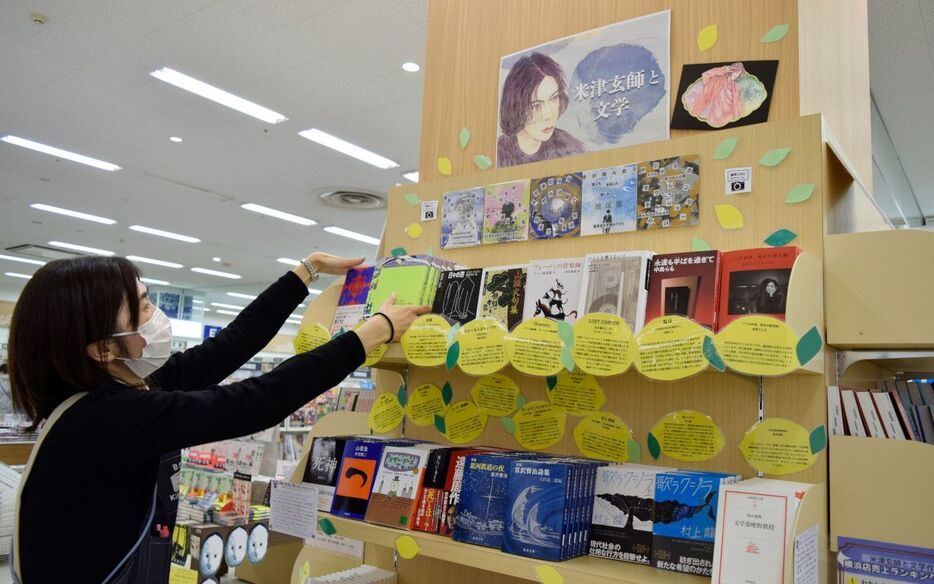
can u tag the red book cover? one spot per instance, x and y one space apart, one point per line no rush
452 487
754 281
429 510
685 284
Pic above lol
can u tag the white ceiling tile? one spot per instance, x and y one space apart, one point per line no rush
282 13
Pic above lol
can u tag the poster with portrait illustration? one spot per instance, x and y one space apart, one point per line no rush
598 89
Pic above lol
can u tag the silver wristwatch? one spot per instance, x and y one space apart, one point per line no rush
311 270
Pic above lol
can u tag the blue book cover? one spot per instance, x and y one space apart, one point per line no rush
482 501
685 520
609 200
356 477
537 506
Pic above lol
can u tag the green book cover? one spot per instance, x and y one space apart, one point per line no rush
405 275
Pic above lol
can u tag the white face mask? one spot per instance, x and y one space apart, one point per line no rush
157 332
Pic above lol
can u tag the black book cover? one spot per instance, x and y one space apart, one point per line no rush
458 294
323 460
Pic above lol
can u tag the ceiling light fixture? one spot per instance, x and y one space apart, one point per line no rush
287 261
410 67
412 176
162 263
21 260
215 259
278 214
205 310
84 248
154 281
230 306
314 291
58 152
70 213
18 275
216 273
239 295
347 148
217 95
197 301
230 312
352 235
175 139
161 233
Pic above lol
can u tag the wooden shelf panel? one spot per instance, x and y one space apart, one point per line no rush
584 570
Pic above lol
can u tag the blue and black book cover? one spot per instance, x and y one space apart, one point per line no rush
482 501
356 477
537 509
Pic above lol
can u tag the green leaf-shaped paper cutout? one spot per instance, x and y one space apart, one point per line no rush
454 351
780 238
439 423
800 193
774 157
403 395
567 359
710 351
655 448
412 199
430 250
483 162
566 333
634 451
698 244
326 526
452 333
508 424
464 138
447 393
398 251
818 439
809 345
776 33
725 148
552 381
520 401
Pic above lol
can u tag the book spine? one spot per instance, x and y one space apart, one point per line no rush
907 422
854 421
870 415
834 411
905 399
886 410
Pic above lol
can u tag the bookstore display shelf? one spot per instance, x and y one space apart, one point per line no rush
583 570
891 361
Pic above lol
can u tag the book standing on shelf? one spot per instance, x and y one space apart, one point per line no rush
323 461
616 283
352 302
483 499
458 295
539 512
357 475
754 281
502 294
397 486
453 484
552 289
686 284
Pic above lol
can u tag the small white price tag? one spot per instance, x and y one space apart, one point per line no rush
429 210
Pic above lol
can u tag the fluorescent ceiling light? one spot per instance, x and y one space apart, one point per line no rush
230 312
206 310
76 247
216 259
239 295
412 176
16 275
347 148
189 329
175 139
230 306
21 260
154 281
70 213
216 273
314 291
352 235
161 233
197 301
278 214
59 153
410 67
162 263
218 95
288 261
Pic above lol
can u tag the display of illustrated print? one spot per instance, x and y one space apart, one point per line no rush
506 212
597 89
235 548
609 200
724 95
667 193
211 556
462 218
556 206
551 304
553 289
257 543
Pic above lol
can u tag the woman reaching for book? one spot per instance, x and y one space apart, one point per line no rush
98 498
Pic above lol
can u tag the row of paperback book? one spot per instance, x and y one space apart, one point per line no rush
550 507
711 287
897 410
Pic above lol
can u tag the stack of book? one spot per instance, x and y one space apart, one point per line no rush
414 279
364 574
896 410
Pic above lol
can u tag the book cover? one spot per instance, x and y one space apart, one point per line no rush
668 193
536 509
552 289
356 477
323 459
397 485
927 393
462 218
555 206
458 295
502 294
623 510
429 510
926 421
609 200
407 276
356 286
888 415
506 212
907 422
453 483
684 524
835 411
480 513
616 283
851 415
685 284
754 281
347 317
914 392
871 419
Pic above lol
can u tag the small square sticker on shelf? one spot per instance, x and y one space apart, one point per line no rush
429 210
736 180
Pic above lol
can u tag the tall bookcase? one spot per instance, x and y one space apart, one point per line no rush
819 109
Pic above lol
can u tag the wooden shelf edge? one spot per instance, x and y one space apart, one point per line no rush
583 570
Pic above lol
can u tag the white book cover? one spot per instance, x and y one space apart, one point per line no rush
616 283
893 428
873 423
854 421
347 317
835 411
552 289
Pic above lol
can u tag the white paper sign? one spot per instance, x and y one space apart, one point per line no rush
293 509
429 210
806 552
337 544
737 180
